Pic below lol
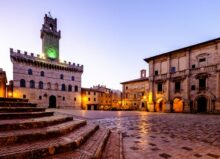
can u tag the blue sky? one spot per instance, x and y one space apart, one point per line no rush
109 37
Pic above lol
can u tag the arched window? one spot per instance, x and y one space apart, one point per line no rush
73 78
76 88
41 85
63 87
56 86
51 27
32 84
22 83
70 88
30 71
42 73
48 85
61 76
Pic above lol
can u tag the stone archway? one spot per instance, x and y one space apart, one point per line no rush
202 104
160 105
52 102
177 105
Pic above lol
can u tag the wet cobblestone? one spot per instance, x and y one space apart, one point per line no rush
162 135
168 135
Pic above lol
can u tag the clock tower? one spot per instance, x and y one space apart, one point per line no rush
50 38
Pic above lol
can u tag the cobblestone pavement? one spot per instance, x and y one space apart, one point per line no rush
161 135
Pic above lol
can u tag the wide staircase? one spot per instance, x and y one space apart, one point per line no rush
27 131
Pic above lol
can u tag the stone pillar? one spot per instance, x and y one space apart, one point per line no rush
152 92
168 105
187 88
217 102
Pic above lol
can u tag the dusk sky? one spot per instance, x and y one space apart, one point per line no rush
109 37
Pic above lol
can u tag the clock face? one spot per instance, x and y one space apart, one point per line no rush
52 53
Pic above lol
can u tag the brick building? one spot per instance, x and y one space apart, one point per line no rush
135 93
44 79
187 79
100 97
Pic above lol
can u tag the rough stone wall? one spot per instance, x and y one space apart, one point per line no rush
90 97
189 65
134 94
64 98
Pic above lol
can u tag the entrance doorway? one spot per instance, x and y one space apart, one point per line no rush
201 105
52 102
177 105
161 106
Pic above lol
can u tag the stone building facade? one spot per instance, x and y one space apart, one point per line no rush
90 99
3 81
100 98
187 79
135 93
44 79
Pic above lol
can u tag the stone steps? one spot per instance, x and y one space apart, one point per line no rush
24 115
16 104
18 124
92 148
2 99
42 148
28 132
24 136
21 109
113 148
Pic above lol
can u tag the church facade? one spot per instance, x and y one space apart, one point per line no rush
44 79
186 80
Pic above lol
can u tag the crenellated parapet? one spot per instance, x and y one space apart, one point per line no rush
40 60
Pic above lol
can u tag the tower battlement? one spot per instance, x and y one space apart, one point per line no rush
30 57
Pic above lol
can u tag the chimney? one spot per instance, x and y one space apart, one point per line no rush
143 73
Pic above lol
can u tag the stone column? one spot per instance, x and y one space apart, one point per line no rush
168 105
151 98
187 88
217 102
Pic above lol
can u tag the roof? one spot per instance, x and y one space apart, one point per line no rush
135 80
90 89
184 48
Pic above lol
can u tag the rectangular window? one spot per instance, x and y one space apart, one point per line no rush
135 96
202 60
88 93
202 84
155 72
172 69
159 87
177 86
193 66
193 87
94 99
88 99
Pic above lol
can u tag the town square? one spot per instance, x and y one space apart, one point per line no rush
119 79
